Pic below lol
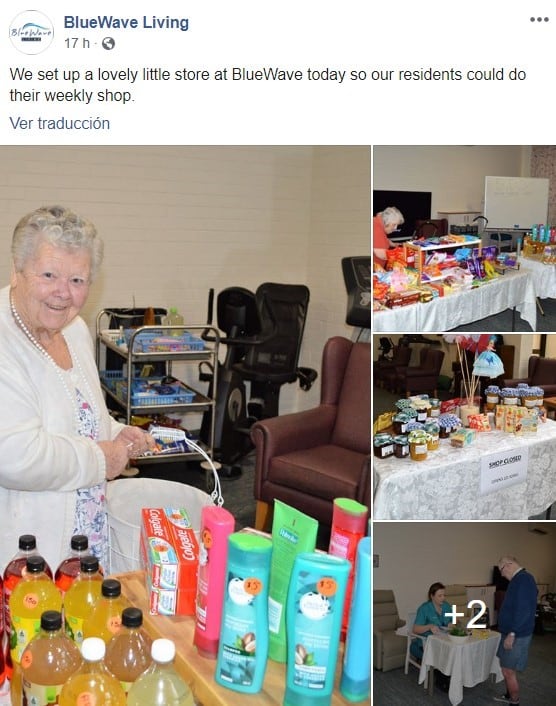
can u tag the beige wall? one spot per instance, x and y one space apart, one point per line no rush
179 220
412 555
454 174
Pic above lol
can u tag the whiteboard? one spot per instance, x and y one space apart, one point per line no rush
515 202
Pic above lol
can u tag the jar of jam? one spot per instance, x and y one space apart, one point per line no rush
383 445
435 407
540 396
400 422
422 410
433 431
418 445
528 397
401 446
509 395
492 394
447 424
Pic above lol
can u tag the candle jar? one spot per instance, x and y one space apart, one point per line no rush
418 445
401 446
383 445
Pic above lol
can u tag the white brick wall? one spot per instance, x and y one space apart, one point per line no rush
177 221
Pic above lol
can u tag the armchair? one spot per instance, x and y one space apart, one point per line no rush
308 458
421 378
389 649
400 358
541 372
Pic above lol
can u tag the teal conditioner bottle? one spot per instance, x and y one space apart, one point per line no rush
314 611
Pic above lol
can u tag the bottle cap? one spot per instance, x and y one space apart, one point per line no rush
27 542
349 514
173 310
93 649
111 588
163 650
79 542
132 617
251 550
51 620
35 564
89 564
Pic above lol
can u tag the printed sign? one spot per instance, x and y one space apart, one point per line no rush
502 469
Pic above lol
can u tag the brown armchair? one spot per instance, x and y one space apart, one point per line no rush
401 356
541 372
308 458
423 377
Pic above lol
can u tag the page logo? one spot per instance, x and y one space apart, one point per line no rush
31 32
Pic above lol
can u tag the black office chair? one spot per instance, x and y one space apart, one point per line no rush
272 361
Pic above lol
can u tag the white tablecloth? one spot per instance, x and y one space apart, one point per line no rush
467 664
514 289
446 485
544 277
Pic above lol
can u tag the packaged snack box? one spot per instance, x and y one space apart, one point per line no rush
169 552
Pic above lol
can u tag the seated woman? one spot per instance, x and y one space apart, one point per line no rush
430 617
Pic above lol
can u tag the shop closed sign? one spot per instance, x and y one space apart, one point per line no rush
502 469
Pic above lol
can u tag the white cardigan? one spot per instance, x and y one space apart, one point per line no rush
43 461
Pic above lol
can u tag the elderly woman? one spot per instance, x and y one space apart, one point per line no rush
384 224
58 444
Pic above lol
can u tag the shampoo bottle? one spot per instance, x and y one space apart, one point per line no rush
355 683
216 526
243 648
349 521
313 620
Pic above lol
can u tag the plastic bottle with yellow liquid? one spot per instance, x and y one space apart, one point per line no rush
128 653
81 597
92 683
34 594
160 683
105 619
48 661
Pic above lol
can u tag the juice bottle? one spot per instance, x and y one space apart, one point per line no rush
128 653
27 545
81 597
92 684
34 594
69 567
48 661
105 619
160 683
349 521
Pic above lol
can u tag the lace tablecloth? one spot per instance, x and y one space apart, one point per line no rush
446 485
544 277
514 289
467 664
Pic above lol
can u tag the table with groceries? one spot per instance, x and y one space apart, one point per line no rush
211 615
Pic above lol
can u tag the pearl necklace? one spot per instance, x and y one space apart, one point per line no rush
59 372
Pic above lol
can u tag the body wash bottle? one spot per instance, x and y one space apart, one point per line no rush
314 618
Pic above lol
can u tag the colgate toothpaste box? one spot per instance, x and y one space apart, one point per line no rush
169 552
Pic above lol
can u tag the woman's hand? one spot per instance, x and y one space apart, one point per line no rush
129 443
434 629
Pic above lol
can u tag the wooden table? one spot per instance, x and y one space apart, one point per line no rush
199 671
550 405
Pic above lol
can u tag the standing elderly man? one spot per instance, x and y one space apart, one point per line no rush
384 224
516 622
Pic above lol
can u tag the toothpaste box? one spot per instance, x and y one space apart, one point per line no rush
169 553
